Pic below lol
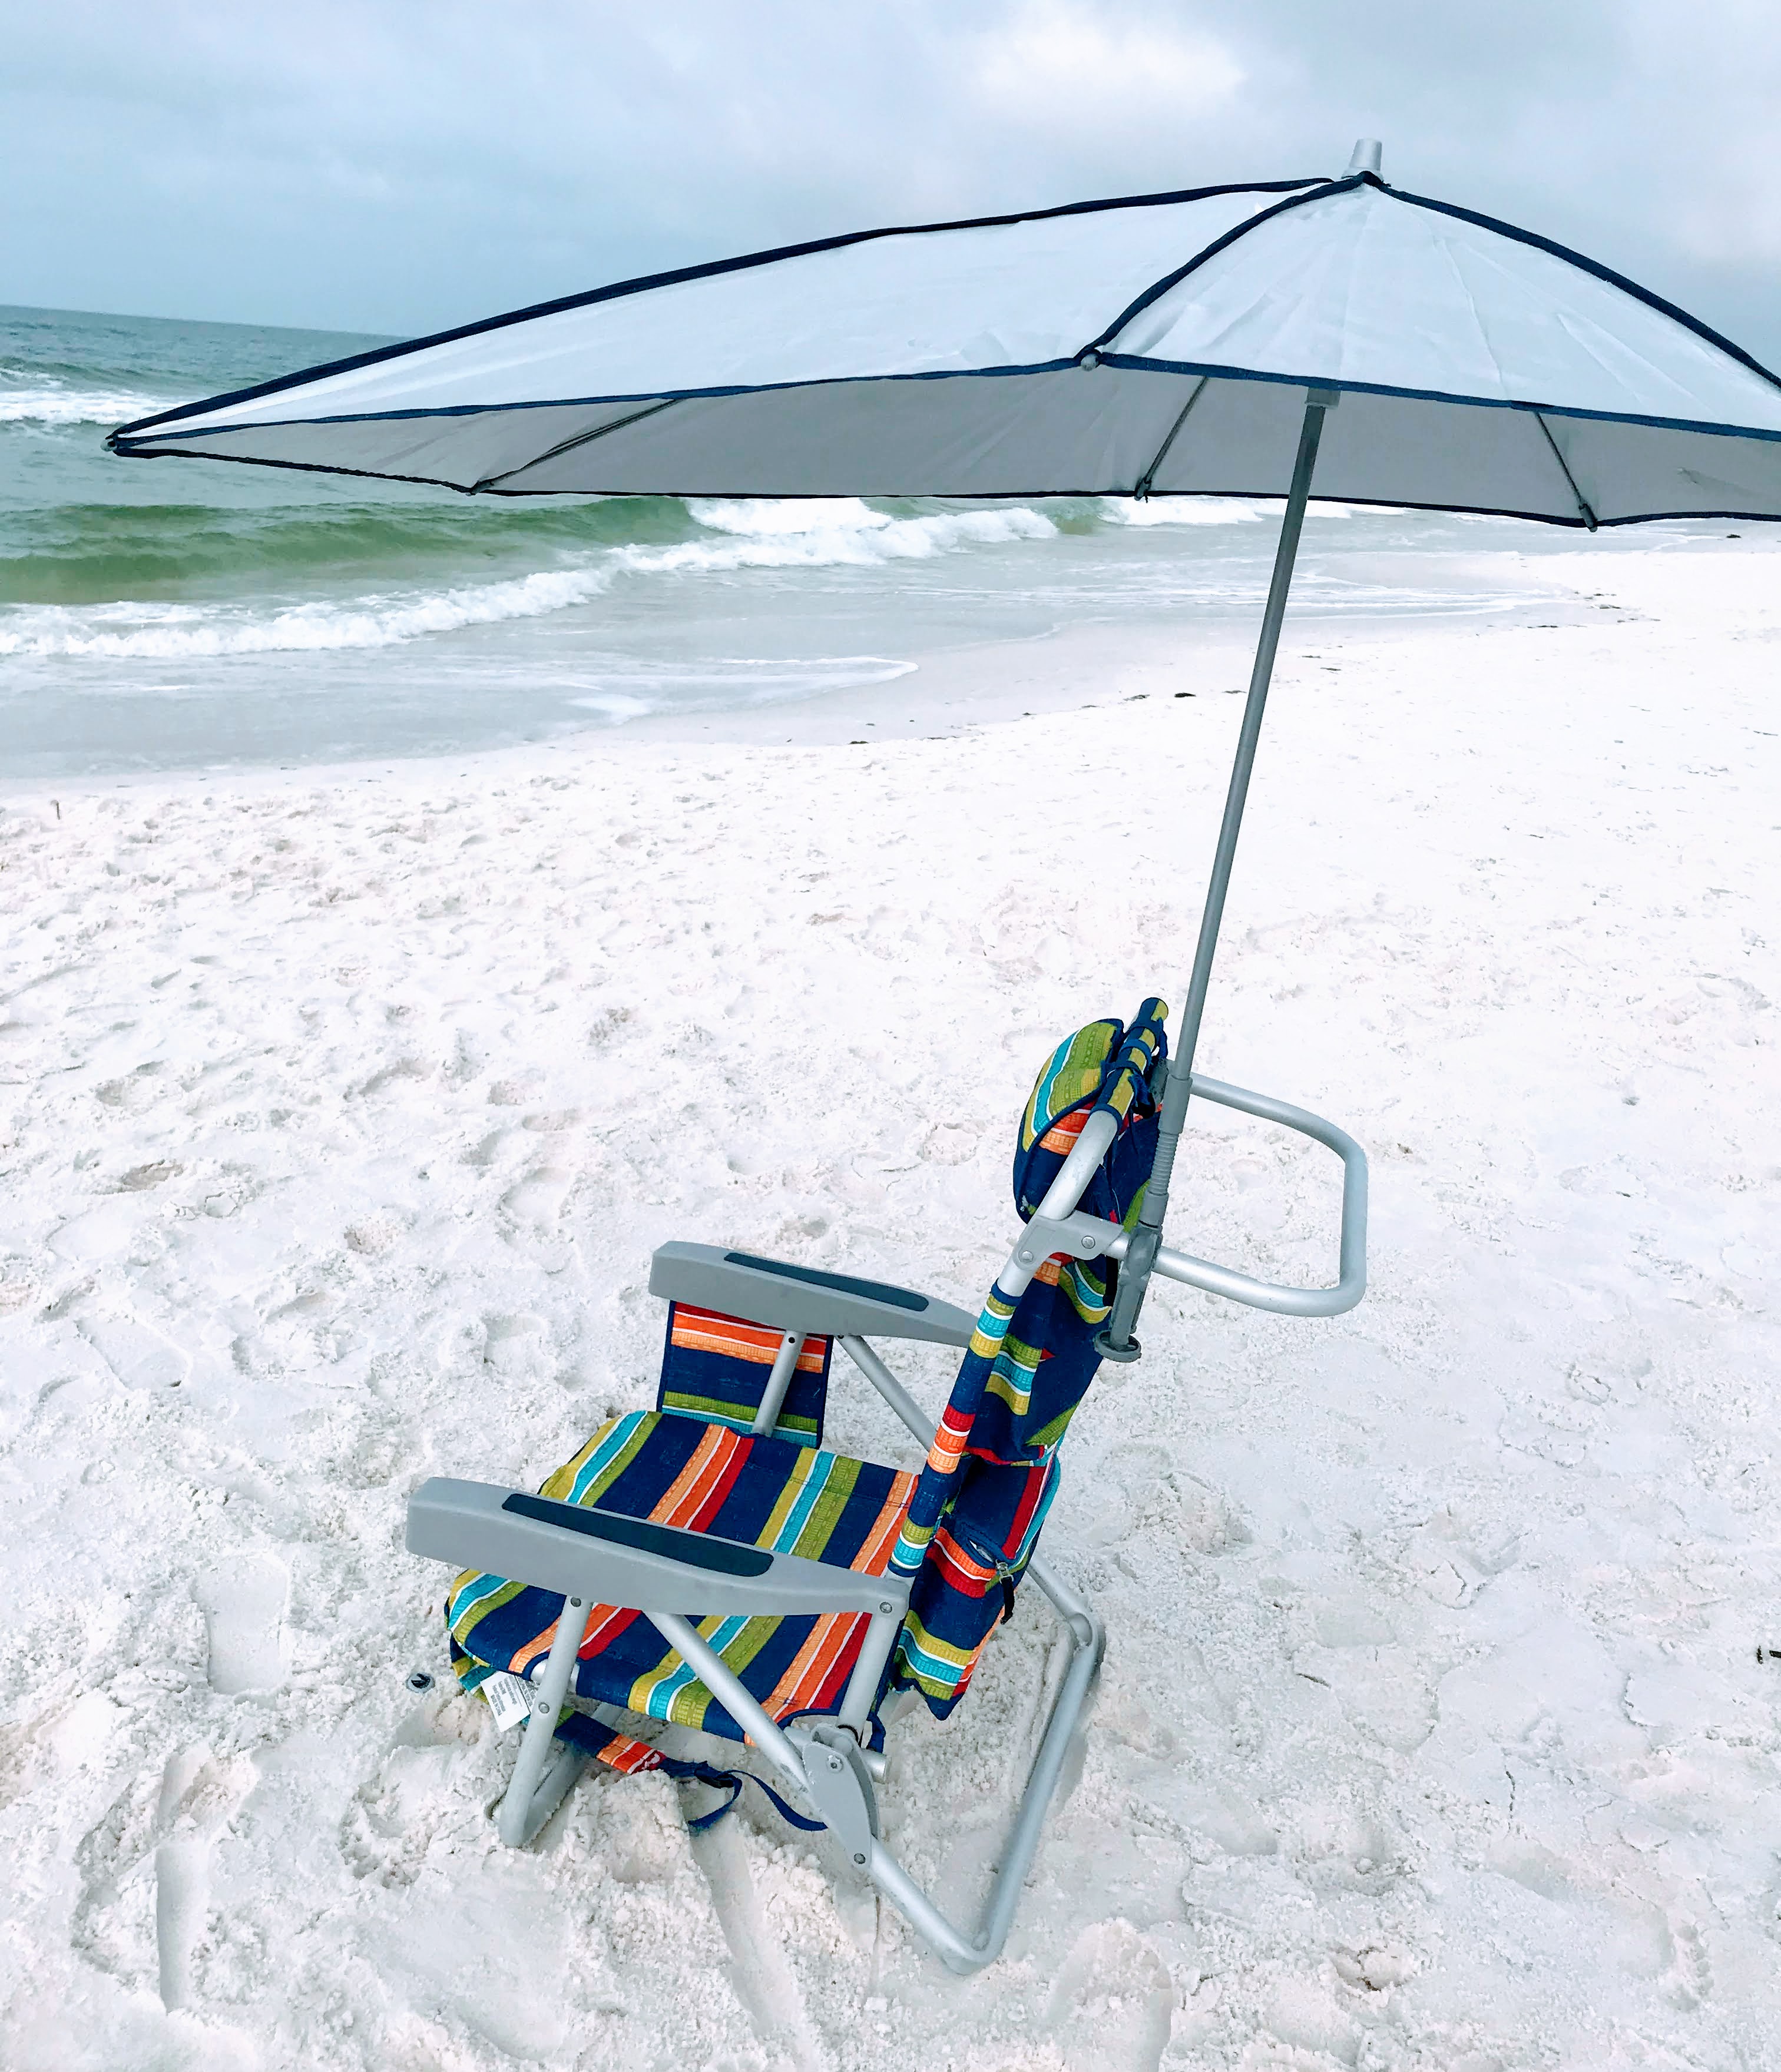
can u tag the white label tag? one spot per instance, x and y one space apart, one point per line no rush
509 1699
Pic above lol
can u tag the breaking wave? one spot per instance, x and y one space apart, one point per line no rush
748 535
73 406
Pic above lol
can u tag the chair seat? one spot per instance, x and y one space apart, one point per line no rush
703 1478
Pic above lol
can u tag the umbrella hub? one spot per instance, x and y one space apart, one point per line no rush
1365 158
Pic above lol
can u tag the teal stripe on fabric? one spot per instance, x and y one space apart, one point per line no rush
991 1324
667 1689
820 1469
473 1592
924 1664
1029 1538
605 1453
661 1699
1042 1107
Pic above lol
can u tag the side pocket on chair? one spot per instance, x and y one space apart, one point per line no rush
716 1368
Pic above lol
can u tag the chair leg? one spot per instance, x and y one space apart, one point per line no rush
960 1952
532 1795
543 1772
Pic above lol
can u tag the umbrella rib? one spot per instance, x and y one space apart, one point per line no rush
1140 489
1582 502
568 446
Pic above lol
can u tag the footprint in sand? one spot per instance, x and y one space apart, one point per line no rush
160 1836
139 1356
199 1796
1112 2006
538 1197
244 1609
182 1902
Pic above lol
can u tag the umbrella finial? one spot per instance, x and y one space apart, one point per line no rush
1366 158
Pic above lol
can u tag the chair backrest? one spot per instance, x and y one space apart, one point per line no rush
992 1471
716 1368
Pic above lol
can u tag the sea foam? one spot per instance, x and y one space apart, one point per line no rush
750 534
73 406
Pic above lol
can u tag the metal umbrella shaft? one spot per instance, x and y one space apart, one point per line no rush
1115 1341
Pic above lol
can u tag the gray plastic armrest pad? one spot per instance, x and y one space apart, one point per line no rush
765 1291
609 1559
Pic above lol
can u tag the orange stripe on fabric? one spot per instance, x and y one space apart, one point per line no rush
722 1335
1063 1132
834 1641
628 1757
533 1648
835 1672
705 1331
691 1490
875 1549
960 1567
949 1440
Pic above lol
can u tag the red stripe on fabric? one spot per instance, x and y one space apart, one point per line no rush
606 1623
828 1693
1024 1510
949 1437
958 1569
732 1338
735 1460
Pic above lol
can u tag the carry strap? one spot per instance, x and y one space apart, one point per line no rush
621 1752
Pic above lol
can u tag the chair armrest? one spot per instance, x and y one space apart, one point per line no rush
607 1558
765 1291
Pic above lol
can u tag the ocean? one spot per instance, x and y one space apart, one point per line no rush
162 615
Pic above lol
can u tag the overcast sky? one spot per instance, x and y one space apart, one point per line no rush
396 165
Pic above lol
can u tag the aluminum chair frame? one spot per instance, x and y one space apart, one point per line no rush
598 1557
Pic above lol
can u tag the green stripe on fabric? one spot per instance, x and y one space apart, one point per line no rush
992 1320
787 1501
1086 1292
672 1690
1043 1440
466 1619
822 1515
1072 1074
740 1416
1011 1378
606 1466
937 1668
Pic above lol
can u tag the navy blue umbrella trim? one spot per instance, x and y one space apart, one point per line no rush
127 441
962 496
643 282
1296 194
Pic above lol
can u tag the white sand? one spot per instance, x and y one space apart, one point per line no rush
342 1110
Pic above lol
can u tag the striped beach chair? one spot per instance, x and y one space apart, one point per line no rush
708 1564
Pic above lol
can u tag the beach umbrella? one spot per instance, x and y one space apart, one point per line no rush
1192 343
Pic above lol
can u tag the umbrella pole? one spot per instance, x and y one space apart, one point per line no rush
1116 1342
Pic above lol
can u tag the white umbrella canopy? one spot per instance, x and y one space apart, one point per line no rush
1156 345
1195 342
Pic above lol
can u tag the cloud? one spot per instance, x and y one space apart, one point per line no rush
397 165
1058 66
